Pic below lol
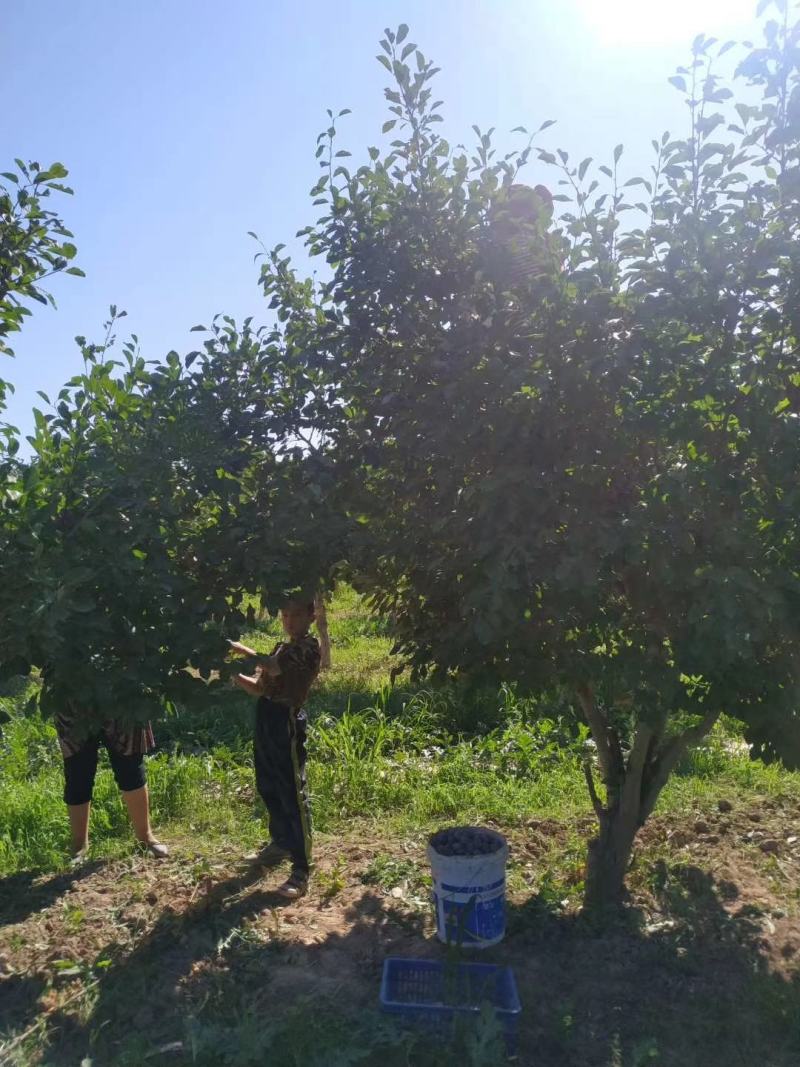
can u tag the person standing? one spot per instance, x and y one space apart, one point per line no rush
126 749
281 683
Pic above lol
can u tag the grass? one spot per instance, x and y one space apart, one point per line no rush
394 759
375 753
386 766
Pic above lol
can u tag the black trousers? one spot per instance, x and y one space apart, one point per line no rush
80 771
279 749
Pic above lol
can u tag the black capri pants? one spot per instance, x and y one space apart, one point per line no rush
80 770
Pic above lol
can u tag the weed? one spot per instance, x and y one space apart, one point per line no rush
333 881
388 871
74 918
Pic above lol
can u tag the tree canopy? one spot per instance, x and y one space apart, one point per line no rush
159 496
573 449
34 245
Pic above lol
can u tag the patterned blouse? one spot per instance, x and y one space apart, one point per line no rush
299 663
121 740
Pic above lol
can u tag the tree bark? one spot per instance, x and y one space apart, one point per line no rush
322 630
608 859
610 852
631 798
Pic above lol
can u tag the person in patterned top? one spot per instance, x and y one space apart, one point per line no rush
281 682
126 747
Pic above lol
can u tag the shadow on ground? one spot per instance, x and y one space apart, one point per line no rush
236 979
694 989
25 893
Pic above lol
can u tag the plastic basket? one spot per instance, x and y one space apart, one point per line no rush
434 995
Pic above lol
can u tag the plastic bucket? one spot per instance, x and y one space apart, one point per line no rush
469 895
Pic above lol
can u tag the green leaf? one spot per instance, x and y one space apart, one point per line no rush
67 967
402 33
678 82
384 62
388 125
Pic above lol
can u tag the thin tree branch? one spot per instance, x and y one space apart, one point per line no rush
669 758
609 754
597 804
659 725
634 770
310 444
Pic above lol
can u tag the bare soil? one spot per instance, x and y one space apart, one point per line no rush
701 969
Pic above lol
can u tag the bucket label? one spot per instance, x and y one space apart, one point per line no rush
471 922
471 890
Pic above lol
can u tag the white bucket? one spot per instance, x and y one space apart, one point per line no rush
469 894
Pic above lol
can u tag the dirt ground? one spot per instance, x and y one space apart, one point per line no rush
702 969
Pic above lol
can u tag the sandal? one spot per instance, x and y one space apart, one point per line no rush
157 849
295 886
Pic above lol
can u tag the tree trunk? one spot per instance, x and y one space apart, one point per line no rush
632 789
322 630
607 861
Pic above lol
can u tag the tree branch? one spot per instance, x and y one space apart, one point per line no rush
669 758
597 804
608 751
634 770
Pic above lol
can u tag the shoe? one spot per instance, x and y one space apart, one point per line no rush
271 855
295 886
80 857
157 849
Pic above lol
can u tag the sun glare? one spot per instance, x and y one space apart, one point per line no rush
655 22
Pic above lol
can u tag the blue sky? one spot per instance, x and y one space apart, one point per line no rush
186 123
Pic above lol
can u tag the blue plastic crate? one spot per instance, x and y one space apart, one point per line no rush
435 995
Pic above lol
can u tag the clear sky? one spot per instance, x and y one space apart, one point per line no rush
186 123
